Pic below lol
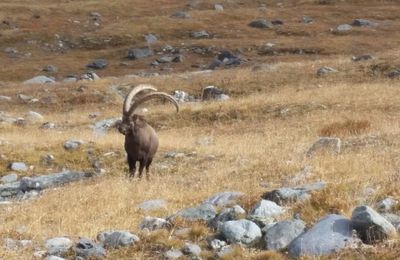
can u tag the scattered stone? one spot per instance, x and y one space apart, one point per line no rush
152 205
39 80
241 231
261 23
151 223
58 245
219 7
393 219
27 99
223 199
386 205
266 209
371 226
394 73
50 69
86 248
139 53
150 38
284 195
180 15
225 252
101 127
277 22
70 79
280 235
331 234
200 34
5 99
191 249
41 254
72 144
10 50
53 257
327 144
262 67
216 244
204 212
90 75
169 58
48 125
362 57
306 19
12 177
174 155
181 96
173 254
18 166
33 116
98 64
115 239
212 92
363 23
10 244
228 214
344 28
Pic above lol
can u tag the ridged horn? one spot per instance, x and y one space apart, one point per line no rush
149 96
136 90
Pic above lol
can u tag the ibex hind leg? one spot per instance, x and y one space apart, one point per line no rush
132 167
147 167
142 163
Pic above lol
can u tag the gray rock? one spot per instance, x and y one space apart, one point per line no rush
370 226
10 244
180 15
280 235
173 254
33 116
90 76
284 195
150 38
72 144
306 19
363 23
204 212
86 248
139 53
331 234
27 99
101 127
191 249
224 253
261 23
98 64
266 209
241 231
262 67
10 50
12 177
52 180
182 96
53 257
386 205
39 80
394 73
48 125
151 223
18 166
70 79
228 214
58 245
152 205
393 219
213 93
5 99
200 34
343 28
327 144
10 189
216 244
115 239
362 57
50 69
223 199
168 59
219 7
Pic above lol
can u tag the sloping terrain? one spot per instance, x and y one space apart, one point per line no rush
254 142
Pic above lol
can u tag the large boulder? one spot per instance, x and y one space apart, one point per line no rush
370 226
115 239
331 234
241 231
280 235
266 208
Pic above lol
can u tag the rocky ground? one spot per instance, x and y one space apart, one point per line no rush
286 145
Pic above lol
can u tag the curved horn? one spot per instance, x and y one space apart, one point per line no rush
151 96
133 93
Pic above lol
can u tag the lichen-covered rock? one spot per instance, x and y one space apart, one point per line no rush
115 239
152 223
241 231
58 245
86 248
280 235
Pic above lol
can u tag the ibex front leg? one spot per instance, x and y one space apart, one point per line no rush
132 167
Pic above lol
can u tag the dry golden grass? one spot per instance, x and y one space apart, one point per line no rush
253 143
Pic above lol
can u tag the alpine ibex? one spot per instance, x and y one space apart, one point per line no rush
141 141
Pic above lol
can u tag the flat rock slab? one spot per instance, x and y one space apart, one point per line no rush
370 225
241 231
331 234
223 199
